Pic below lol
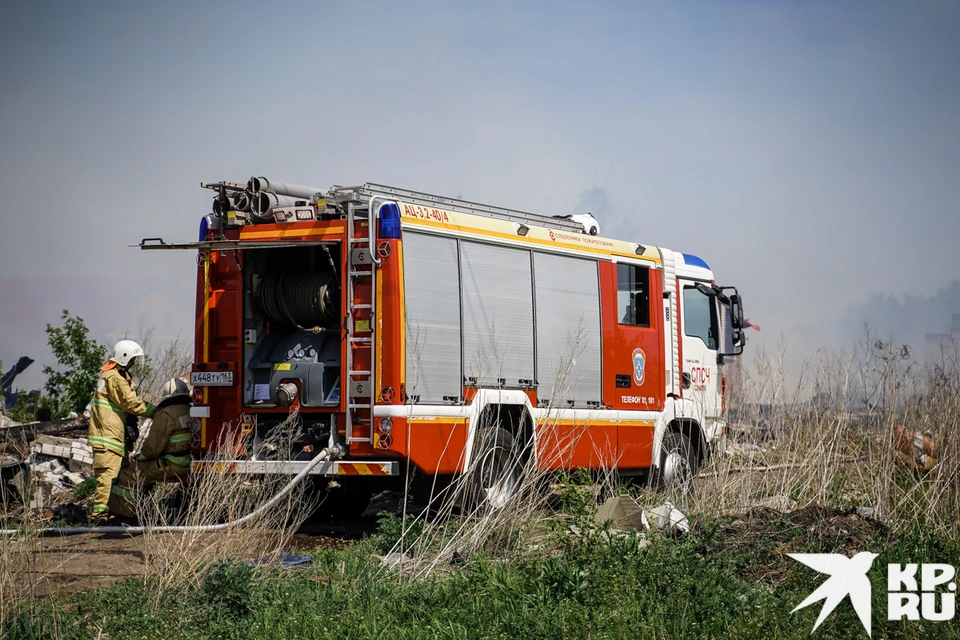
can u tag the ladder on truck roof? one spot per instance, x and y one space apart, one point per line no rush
365 192
359 386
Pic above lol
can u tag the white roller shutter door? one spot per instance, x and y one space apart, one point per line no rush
432 308
568 329
497 314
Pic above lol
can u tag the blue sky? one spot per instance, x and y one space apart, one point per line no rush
810 152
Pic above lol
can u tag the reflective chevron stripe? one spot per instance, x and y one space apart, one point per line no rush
179 438
123 492
183 461
363 469
107 443
106 404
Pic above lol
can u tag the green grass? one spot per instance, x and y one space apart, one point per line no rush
722 581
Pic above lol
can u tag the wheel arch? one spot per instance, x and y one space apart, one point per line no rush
680 416
512 410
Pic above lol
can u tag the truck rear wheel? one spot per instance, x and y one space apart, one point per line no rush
498 471
678 463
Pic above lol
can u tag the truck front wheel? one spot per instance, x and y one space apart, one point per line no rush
678 463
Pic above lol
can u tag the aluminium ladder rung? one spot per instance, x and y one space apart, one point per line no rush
366 191
359 241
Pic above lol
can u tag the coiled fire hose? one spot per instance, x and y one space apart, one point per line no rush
306 300
330 453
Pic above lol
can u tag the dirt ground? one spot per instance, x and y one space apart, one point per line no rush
60 565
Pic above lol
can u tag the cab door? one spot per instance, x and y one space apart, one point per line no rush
633 354
700 332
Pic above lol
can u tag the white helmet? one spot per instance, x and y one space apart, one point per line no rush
174 387
126 350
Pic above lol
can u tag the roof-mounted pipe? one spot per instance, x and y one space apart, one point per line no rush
260 185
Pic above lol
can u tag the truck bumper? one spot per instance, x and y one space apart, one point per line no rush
293 467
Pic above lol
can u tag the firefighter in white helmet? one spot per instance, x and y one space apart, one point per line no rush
165 454
113 400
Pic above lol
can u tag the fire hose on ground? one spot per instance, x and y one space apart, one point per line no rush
330 453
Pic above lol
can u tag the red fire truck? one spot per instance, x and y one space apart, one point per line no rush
414 331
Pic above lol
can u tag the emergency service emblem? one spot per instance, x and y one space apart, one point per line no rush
639 362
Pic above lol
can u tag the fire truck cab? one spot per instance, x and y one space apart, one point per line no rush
416 330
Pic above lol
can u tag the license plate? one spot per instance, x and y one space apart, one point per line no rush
211 378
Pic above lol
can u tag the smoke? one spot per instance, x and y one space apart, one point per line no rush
594 200
906 319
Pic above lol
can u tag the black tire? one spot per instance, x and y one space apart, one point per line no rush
678 463
497 471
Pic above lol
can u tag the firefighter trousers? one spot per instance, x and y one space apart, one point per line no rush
106 468
140 474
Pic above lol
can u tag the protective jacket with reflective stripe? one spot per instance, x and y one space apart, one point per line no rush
169 435
112 401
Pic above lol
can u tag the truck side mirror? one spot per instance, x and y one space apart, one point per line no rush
736 311
739 339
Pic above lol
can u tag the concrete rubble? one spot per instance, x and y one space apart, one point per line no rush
625 515
53 468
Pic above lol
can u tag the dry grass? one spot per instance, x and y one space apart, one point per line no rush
28 568
163 362
23 578
461 521
182 557
828 441
825 443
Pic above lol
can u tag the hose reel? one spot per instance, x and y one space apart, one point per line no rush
308 301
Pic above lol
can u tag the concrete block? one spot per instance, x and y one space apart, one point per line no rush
84 468
56 441
73 478
50 466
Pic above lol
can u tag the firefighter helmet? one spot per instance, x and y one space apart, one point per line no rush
174 387
125 351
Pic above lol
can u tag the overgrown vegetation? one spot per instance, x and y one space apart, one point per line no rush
822 447
695 587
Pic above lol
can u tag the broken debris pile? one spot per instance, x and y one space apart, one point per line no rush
625 514
54 467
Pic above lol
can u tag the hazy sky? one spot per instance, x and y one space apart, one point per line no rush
808 151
